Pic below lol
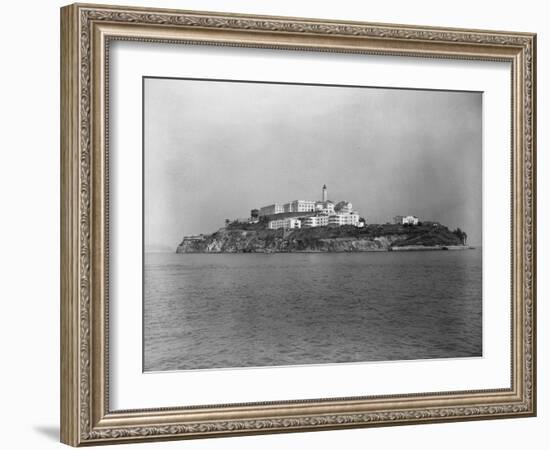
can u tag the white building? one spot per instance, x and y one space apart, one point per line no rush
410 220
327 213
333 220
289 222
269 210
315 221
338 220
325 207
299 206
405 220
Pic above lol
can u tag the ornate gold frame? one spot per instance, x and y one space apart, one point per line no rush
86 31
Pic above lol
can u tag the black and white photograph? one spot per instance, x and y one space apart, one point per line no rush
297 224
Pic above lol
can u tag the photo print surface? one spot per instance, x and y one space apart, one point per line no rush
296 224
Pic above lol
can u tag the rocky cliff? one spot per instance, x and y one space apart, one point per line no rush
324 239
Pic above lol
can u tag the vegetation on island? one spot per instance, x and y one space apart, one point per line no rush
238 237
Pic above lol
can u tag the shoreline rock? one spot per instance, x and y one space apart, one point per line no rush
420 248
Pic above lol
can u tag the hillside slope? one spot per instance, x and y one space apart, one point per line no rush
324 239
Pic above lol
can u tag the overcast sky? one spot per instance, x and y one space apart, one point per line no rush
215 150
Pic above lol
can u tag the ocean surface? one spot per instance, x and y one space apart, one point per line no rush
204 311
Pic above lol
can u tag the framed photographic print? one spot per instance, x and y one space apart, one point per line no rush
274 224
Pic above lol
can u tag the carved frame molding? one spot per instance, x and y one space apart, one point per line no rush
86 31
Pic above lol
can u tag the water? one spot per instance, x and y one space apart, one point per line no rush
242 310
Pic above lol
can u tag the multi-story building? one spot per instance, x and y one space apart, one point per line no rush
315 221
299 206
405 220
319 213
269 210
338 220
326 207
410 220
289 222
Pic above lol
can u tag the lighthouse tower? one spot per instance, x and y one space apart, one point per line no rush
325 194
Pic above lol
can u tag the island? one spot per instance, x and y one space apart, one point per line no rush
322 226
